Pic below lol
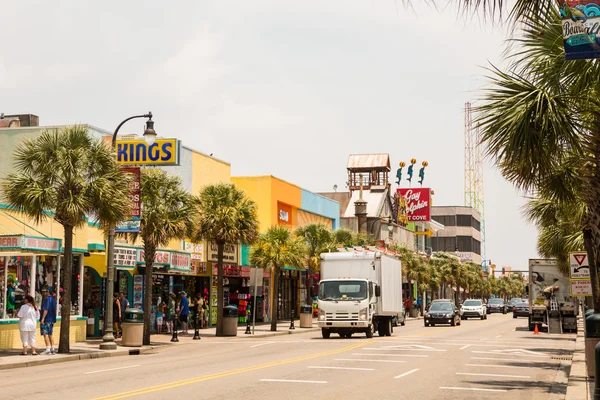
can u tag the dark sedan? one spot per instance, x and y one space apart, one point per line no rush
442 313
496 305
521 310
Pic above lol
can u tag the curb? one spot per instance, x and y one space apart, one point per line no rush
578 385
76 357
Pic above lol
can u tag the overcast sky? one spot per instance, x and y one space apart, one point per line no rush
286 88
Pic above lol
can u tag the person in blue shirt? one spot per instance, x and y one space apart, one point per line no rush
184 311
47 319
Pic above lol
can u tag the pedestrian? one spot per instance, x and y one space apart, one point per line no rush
48 319
116 315
160 309
419 301
407 305
199 302
205 311
171 315
124 303
184 312
28 316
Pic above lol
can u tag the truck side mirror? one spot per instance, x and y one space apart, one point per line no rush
377 291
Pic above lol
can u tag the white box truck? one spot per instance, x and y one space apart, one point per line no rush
360 291
550 300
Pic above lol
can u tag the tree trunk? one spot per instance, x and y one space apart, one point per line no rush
274 298
149 254
65 309
220 305
590 248
309 288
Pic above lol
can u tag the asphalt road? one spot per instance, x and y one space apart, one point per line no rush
493 359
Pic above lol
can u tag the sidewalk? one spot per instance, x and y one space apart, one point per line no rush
89 349
580 387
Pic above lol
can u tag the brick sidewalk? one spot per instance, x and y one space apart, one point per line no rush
580 387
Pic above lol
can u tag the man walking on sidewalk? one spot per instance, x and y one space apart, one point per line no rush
47 319
184 312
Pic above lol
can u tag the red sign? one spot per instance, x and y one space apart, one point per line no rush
418 203
134 190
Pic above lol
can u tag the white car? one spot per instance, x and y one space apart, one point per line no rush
474 308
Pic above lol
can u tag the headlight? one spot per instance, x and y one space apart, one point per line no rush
321 314
427 315
448 315
362 315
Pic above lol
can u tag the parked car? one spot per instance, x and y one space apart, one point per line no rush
400 320
474 308
496 305
442 313
521 309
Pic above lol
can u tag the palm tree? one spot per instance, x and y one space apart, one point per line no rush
542 113
274 250
318 239
74 176
166 214
225 216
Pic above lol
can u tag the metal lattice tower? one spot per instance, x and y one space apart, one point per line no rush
474 171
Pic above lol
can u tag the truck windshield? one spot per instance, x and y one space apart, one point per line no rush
343 290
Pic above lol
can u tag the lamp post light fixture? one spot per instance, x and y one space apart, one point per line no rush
108 340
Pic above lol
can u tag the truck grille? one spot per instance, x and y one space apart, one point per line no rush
341 316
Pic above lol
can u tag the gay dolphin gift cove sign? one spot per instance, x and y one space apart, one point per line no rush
580 20
418 203
138 152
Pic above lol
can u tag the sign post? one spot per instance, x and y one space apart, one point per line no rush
579 272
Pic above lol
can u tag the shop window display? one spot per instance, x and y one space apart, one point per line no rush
75 286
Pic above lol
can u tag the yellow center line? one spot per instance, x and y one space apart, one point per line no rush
203 378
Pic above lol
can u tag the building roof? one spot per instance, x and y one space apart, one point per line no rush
369 161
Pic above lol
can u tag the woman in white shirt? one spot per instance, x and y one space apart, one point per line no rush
28 316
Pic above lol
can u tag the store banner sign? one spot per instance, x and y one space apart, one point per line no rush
125 257
181 262
132 223
230 253
11 242
23 242
195 249
233 271
138 152
160 258
580 21
284 214
418 203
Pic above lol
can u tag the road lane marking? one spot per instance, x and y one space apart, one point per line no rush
465 346
501 353
364 359
175 384
494 366
509 359
474 389
343 368
262 344
391 355
111 369
290 381
406 373
495 375
498 337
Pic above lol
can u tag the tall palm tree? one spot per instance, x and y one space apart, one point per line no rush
225 216
74 176
318 239
167 211
542 113
274 250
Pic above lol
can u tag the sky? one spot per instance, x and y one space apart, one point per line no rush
283 88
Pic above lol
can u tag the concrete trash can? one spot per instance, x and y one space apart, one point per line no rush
230 321
306 316
133 328
592 337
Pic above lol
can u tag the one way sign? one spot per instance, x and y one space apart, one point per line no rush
580 268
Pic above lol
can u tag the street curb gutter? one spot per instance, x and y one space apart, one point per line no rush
578 388
47 360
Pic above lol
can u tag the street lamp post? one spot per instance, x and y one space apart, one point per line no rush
108 340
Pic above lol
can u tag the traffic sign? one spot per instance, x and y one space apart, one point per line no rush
428 232
581 287
579 266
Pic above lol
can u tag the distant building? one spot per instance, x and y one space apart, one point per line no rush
461 234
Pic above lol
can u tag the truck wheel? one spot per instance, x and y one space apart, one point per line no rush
369 332
326 333
381 330
388 328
